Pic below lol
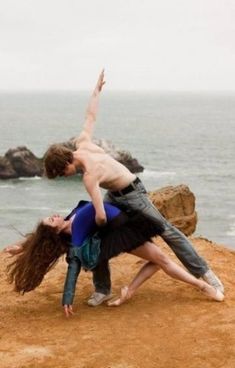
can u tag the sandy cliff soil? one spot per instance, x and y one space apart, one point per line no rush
167 324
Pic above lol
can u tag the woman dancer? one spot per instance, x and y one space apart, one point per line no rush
131 233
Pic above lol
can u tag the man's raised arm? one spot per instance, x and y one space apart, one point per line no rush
91 111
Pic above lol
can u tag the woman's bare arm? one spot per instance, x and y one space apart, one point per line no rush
14 248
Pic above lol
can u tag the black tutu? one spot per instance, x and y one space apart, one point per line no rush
127 232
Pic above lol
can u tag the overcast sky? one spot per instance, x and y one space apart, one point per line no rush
143 44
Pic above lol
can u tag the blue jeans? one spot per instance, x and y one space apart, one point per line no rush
101 278
178 242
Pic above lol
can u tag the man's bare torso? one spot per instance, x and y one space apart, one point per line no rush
109 173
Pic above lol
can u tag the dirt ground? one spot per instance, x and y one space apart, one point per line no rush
167 324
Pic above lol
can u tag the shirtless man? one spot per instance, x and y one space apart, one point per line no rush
124 189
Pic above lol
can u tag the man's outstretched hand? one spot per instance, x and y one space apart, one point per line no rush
100 82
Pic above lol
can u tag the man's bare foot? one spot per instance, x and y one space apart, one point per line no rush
125 295
212 292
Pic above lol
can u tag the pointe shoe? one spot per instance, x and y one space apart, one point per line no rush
213 293
125 295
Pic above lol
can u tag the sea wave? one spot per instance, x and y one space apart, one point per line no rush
43 208
30 178
158 174
7 186
231 231
67 210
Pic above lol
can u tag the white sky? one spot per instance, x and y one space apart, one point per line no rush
143 44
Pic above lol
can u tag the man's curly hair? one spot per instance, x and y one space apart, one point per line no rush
56 158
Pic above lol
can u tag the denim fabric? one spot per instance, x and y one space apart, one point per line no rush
74 268
178 242
101 278
89 252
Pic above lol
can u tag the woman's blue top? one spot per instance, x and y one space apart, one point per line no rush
84 223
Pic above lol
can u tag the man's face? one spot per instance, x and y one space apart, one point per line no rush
70 169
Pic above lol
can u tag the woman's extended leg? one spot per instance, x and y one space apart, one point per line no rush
155 256
146 271
143 274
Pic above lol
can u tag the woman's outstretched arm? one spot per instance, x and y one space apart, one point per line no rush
14 248
74 268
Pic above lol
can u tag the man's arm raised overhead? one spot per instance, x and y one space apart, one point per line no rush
91 112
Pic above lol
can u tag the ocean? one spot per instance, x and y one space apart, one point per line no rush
180 138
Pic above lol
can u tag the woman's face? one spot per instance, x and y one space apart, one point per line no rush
55 221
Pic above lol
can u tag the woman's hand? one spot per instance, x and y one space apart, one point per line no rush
68 310
13 249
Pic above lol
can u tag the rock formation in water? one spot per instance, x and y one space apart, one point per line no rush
20 161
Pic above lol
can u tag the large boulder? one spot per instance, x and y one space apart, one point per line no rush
177 204
6 169
19 162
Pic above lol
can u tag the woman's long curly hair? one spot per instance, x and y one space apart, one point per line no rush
40 252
